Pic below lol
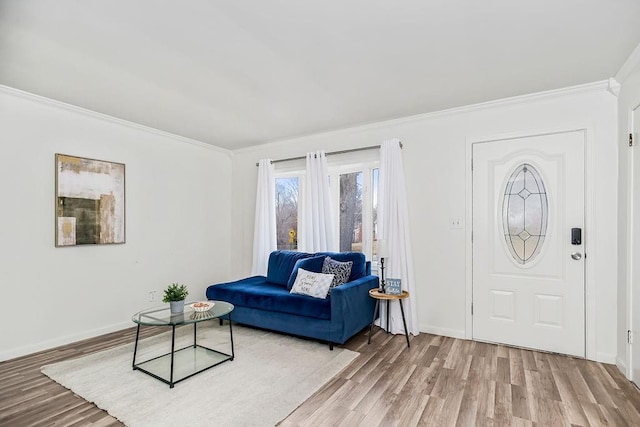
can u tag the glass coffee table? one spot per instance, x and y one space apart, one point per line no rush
180 364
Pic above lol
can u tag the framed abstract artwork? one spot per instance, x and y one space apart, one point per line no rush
90 202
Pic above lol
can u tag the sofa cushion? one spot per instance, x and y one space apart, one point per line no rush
315 285
281 265
359 267
255 292
313 264
216 292
340 270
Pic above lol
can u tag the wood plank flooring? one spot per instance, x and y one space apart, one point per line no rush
439 381
444 381
29 398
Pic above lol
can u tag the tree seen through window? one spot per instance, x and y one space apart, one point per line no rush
287 213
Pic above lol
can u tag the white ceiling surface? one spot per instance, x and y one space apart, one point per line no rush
243 72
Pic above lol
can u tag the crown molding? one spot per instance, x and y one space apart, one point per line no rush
614 87
632 63
610 85
111 119
598 86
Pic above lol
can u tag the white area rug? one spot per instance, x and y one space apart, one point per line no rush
271 375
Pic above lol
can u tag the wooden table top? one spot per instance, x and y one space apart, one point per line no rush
375 293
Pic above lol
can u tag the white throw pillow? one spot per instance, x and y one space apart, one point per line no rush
312 284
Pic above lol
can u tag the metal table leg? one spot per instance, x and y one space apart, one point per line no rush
173 348
388 301
375 311
194 335
404 322
233 355
135 348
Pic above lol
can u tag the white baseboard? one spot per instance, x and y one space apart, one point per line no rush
622 365
56 342
609 358
445 332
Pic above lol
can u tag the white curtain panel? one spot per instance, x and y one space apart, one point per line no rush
393 227
264 231
315 228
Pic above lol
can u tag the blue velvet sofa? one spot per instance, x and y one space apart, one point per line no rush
266 302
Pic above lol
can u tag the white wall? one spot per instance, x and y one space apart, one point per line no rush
628 190
436 168
190 212
177 223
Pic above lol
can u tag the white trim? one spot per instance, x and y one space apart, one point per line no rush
590 246
623 368
67 339
468 240
614 87
607 358
629 65
105 117
597 86
628 366
631 202
445 332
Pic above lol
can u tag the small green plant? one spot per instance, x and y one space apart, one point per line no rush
175 292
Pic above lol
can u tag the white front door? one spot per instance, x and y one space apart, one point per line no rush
528 265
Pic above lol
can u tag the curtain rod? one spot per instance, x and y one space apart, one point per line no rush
351 150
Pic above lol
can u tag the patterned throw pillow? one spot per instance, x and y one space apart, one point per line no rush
312 284
341 271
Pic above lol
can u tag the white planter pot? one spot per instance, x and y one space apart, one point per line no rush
177 306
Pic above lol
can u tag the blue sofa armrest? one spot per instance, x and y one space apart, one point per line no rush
351 307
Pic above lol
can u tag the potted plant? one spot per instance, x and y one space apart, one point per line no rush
175 295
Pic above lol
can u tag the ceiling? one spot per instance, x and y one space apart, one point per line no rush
245 72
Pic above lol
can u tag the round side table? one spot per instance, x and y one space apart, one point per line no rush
380 296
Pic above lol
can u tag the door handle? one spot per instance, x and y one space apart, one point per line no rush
576 255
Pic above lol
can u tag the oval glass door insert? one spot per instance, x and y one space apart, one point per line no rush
525 213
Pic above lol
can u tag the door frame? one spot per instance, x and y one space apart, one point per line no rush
631 272
589 205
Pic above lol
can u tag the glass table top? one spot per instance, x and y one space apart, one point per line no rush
162 316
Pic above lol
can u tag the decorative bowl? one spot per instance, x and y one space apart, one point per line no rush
202 306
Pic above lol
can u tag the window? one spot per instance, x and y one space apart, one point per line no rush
374 214
354 190
351 212
287 212
524 213
355 201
